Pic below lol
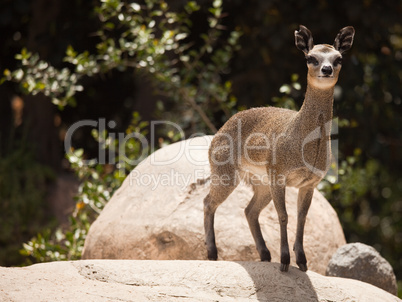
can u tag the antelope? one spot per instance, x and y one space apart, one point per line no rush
274 148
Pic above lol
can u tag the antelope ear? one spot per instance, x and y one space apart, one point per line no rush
304 39
344 39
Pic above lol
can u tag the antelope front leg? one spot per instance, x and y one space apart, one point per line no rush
260 200
278 196
303 204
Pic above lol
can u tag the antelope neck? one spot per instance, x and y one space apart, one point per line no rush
316 109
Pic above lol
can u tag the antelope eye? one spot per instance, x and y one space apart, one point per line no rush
312 60
338 61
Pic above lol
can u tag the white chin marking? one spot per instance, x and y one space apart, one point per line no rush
323 82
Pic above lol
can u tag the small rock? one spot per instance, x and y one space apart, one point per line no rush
362 262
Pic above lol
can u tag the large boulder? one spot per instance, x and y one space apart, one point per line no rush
158 214
138 280
362 262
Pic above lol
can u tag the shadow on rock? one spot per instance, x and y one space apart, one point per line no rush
273 285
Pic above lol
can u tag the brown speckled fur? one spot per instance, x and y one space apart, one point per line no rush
272 148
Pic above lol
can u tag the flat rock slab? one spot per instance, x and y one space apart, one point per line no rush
177 280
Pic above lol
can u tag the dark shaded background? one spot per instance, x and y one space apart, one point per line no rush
368 103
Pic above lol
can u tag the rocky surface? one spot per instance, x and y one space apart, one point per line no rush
136 280
158 214
362 262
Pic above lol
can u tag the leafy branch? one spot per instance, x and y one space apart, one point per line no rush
153 40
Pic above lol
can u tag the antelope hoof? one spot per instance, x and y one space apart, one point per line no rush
265 256
284 267
213 254
301 261
302 267
285 261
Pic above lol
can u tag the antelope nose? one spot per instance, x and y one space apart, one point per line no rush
326 70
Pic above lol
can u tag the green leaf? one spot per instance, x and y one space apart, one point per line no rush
217 3
24 55
18 74
212 22
70 52
40 86
285 89
109 25
191 7
135 6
